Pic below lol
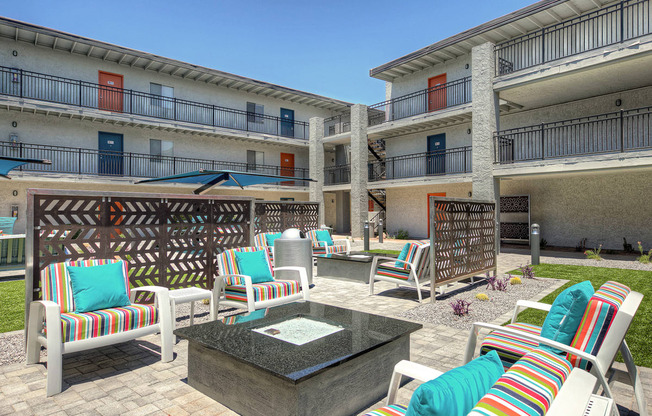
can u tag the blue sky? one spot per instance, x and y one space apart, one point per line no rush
323 47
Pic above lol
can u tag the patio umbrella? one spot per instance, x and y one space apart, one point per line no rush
8 163
210 178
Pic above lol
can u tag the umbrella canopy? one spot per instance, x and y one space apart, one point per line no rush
210 178
8 163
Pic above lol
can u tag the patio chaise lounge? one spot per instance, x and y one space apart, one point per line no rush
250 284
409 269
63 324
266 241
322 243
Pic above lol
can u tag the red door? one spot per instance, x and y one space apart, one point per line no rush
371 205
437 92
428 203
287 166
110 91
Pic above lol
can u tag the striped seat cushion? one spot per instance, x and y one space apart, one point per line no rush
260 242
528 388
226 263
597 319
55 281
389 269
393 410
510 348
262 291
78 326
323 249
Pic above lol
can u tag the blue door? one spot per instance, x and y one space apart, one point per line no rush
436 156
287 122
109 154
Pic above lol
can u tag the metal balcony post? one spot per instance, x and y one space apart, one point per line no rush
80 93
622 129
213 116
622 21
543 150
79 161
543 46
21 83
131 101
175 109
174 165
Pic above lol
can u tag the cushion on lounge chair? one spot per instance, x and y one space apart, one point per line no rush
77 326
510 348
227 264
324 249
527 388
390 270
262 291
408 253
260 240
393 410
597 319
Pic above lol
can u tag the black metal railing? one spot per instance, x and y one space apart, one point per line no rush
613 24
439 162
432 99
337 124
80 161
621 131
335 175
43 87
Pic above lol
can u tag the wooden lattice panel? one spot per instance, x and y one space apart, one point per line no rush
462 238
277 216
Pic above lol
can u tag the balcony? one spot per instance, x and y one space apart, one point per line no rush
337 175
607 26
337 124
33 85
80 161
622 131
433 99
436 163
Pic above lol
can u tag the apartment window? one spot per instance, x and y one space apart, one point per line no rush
254 112
166 94
254 158
161 148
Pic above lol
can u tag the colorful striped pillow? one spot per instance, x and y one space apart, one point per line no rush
409 252
597 319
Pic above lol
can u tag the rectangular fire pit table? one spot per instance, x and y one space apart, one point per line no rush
352 266
297 359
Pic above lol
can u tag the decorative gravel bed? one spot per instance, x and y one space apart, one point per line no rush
12 344
441 313
612 264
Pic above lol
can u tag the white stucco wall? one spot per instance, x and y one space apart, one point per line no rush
454 70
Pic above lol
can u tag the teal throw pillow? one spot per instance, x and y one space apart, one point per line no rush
255 265
98 287
323 235
566 314
403 255
7 224
457 391
269 238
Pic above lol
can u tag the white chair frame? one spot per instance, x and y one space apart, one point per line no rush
574 398
412 281
50 312
251 305
601 364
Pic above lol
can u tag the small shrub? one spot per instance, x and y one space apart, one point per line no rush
594 254
402 235
498 283
206 301
645 258
460 307
543 243
527 271
482 296
491 281
515 280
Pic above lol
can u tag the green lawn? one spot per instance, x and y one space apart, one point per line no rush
637 338
385 252
12 305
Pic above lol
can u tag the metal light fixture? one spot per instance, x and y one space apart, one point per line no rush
468 131
466 66
470 194
14 124
619 102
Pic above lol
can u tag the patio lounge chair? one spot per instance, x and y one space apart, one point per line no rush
533 392
55 324
238 290
408 272
320 246
600 336
261 241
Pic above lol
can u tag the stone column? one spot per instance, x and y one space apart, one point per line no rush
486 115
316 164
359 170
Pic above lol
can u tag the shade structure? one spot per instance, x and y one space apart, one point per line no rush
209 178
8 163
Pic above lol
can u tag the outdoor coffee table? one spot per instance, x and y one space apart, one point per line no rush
345 266
297 359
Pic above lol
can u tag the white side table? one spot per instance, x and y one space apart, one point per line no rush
192 295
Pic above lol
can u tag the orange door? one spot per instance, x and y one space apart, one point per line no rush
110 91
437 93
371 204
428 203
287 166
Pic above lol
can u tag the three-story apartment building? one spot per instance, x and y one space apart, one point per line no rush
108 116
547 110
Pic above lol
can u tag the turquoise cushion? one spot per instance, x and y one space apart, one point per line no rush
7 224
269 238
98 287
255 265
457 391
566 314
323 235
403 255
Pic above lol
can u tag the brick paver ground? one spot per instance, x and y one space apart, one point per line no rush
129 379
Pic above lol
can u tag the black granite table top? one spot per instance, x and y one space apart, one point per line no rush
235 337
